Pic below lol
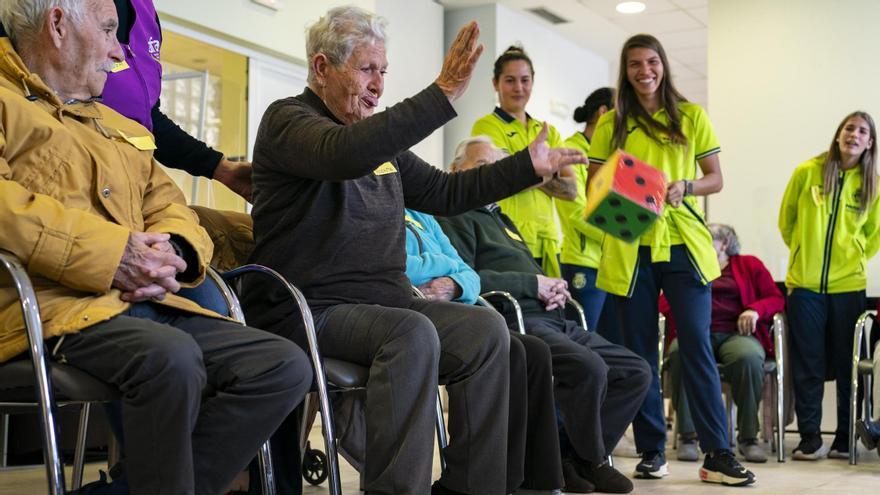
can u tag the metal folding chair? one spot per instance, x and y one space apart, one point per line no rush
862 365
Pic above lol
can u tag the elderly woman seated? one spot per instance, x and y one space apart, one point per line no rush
744 300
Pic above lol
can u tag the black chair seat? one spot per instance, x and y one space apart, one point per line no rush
769 367
69 383
344 374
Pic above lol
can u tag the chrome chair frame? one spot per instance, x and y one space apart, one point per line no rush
860 366
775 368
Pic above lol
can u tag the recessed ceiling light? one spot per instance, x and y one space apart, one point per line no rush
630 7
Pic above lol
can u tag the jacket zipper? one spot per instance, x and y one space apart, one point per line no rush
829 236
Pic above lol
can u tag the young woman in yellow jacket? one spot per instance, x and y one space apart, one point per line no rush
512 129
581 241
829 220
655 123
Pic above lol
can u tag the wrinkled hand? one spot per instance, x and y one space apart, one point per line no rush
458 67
440 289
237 176
553 292
747 322
547 160
148 268
675 193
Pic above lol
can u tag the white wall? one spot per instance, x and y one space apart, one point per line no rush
782 75
415 54
282 31
564 72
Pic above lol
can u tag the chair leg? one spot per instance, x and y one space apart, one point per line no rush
731 420
780 415
267 474
4 439
441 432
79 454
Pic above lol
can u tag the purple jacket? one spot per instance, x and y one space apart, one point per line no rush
135 90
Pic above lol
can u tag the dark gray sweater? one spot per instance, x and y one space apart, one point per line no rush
328 210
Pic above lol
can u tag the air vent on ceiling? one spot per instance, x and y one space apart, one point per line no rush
548 16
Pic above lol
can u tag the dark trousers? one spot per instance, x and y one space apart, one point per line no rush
598 386
741 361
821 324
533 458
409 350
199 395
691 303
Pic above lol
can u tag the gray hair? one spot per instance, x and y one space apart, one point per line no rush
23 19
461 150
339 32
722 232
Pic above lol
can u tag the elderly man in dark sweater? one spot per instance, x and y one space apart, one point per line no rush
598 386
331 181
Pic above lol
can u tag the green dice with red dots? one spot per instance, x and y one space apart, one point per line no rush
626 197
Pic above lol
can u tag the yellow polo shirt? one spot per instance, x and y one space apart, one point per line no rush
683 225
531 210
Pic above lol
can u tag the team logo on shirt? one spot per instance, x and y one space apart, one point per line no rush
579 281
153 47
511 134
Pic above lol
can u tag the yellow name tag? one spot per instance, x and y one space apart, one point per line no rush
385 169
513 235
143 143
119 67
412 221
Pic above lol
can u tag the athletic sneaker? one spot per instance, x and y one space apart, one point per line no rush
687 450
839 448
752 450
809 448
722 467
652 466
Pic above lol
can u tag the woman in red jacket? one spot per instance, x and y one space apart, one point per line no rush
744 300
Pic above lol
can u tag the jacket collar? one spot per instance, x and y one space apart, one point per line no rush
506 117
311 99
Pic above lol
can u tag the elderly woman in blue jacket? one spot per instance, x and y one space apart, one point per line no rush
435 268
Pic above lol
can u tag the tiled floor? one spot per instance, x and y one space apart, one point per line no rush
831 477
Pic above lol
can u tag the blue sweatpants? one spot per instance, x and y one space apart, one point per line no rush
691 303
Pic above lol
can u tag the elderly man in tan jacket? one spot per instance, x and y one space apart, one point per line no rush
107 239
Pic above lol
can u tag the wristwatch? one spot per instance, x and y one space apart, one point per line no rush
688 187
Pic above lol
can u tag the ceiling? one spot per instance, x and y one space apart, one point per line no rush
595 24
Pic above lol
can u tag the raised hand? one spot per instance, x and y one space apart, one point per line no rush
458 67
547 160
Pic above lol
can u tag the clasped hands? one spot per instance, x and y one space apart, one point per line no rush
148 268
553 292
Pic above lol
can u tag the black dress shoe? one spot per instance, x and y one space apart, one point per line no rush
869 433
438 489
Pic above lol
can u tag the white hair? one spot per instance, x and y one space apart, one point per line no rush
461 150
339 32
722 232
23 19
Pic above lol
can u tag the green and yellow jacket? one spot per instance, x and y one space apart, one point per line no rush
829 240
